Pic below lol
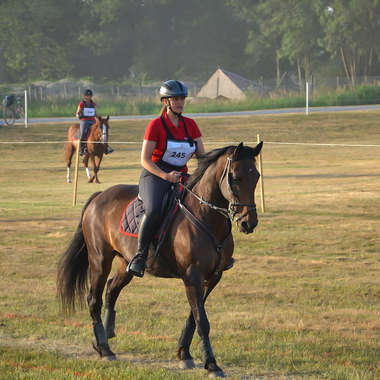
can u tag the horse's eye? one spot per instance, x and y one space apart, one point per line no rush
236 179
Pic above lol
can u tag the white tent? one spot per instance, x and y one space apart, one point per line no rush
225 84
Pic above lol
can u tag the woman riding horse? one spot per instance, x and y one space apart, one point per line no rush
169 142
86 113
199 244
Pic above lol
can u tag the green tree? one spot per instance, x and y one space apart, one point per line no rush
283 31
35 38
351 28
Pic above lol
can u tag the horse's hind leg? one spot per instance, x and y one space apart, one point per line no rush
183 351
114 287
100 265
69 151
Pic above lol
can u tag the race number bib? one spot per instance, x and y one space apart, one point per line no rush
88 112
178 152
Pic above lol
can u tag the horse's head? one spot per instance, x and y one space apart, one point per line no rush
237 184
102 127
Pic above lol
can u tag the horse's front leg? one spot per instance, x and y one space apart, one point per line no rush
96 168
183 351
194 291
100 270
85 163
92 158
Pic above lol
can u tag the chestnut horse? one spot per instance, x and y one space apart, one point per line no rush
197 247
96 146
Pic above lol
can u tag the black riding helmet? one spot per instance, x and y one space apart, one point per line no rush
172 88
87 92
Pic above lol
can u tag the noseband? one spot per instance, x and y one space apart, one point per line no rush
231 211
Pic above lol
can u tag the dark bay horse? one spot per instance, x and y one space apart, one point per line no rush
96 146
197 248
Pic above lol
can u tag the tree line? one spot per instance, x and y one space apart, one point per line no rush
158 39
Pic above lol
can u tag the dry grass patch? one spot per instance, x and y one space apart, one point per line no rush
302 301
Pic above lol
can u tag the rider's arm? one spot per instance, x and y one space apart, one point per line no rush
200 147
146 159
148 164
78 110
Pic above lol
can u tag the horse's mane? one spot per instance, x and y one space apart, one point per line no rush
207 159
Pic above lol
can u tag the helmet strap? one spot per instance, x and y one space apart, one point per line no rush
169 106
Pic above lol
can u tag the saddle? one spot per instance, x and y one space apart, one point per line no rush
85 134
130 220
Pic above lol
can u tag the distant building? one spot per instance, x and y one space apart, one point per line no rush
225 84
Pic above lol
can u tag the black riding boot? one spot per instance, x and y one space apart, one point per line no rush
83 148
109 149
147 230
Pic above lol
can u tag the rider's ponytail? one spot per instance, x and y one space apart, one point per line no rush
163 110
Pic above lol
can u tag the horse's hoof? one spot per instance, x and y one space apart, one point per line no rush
109 358
215 371
187 364
215 374
104 351
69 181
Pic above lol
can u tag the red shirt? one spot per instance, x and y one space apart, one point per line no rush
81 105
156 132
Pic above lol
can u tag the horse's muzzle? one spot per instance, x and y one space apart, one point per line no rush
248 227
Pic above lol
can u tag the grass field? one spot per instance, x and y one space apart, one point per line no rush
302 301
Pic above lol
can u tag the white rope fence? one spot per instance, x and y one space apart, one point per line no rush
206 143
261 184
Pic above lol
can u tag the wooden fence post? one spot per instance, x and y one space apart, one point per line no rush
76 174
261 179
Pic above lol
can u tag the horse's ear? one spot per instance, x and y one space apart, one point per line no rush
257 149
107 118
235 154
99 117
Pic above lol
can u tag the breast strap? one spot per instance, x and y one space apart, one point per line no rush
219 246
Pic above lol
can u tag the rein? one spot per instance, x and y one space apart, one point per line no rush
221 210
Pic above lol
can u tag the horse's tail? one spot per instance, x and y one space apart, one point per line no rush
73 269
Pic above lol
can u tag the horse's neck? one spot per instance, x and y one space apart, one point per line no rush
208 189
94 133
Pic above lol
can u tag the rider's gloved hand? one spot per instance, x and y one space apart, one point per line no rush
173 176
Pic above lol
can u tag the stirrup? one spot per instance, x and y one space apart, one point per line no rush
109 150
139 271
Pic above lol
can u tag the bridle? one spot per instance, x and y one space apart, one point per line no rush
229 213
233 204
105 132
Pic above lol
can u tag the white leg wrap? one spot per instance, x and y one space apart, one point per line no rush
88 172
68 176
